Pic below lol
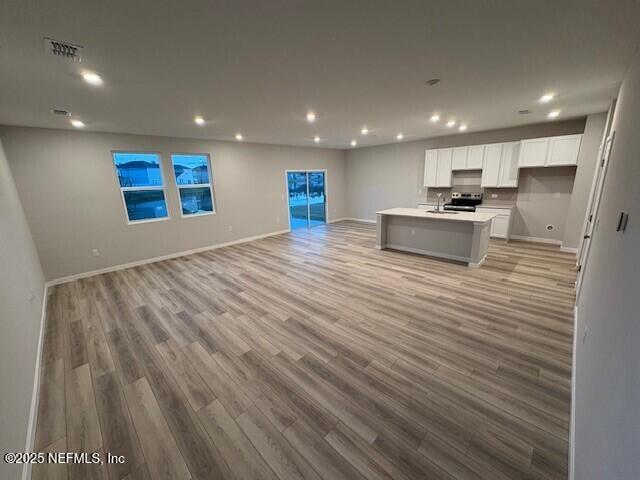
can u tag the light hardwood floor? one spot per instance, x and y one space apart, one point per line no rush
313 355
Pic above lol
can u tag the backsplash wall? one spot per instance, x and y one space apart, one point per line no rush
469 181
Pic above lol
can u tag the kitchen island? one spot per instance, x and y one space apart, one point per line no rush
460 236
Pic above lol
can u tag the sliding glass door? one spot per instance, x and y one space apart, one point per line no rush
307 199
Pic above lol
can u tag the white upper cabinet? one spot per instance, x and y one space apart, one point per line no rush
564 150
437 167
445 156
533 152
430 168
475 157
459 161
491 165
550 151
509 165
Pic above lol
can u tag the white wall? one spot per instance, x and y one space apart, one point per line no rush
72 200
21 298
543 199
587 159
607 407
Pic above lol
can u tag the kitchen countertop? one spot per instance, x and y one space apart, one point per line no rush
477 217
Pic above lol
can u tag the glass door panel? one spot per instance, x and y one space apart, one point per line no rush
307 199
298 199
317 199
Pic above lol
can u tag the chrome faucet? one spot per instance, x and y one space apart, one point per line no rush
439 195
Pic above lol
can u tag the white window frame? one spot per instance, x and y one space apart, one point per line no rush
198 185
129 189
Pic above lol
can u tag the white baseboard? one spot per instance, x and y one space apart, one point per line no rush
572 415
335 220
568 249
524 238
35 396
123 266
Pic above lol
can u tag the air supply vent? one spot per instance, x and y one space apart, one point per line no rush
62 49
61 112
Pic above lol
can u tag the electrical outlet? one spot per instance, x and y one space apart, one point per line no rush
277 219
413 231
494 195
231 228
95 252
557 195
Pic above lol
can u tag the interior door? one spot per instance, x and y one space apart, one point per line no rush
592 218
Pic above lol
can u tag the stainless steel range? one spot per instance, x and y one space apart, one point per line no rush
464 202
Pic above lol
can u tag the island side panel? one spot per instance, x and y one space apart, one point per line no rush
381 232
481 234
434 237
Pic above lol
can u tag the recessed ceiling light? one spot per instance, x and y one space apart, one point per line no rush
353 143
546 98
239 136
553 114
198 119
311 117
400 136
451 123
435 118
92 78
364 130
78 123
316 139
462 128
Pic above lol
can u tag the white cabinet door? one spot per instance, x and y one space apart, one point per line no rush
459 161
443 175
491 165
500 226
563 150
533 152
509 165
475 156
430 168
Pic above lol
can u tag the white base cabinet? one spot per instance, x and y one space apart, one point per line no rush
501 223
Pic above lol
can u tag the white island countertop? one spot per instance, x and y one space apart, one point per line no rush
475 217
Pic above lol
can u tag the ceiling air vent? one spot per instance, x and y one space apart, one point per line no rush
66 50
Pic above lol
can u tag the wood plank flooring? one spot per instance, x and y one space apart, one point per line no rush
312 355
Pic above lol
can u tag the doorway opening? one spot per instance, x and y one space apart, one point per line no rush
306 192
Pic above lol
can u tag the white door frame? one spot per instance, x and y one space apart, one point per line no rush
326 193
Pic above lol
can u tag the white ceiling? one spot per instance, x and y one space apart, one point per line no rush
257 66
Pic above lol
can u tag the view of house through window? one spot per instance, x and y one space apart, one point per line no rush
140 179
193 179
